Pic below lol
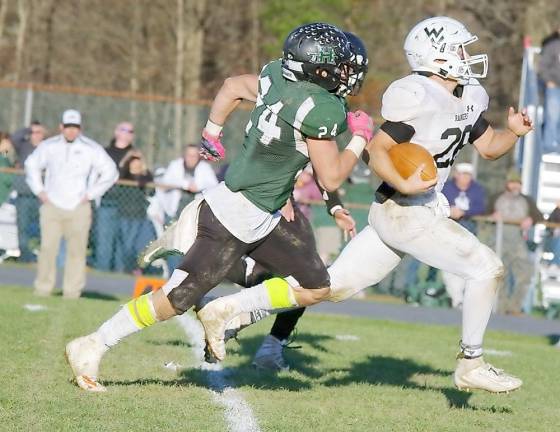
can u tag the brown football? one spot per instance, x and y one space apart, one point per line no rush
406 157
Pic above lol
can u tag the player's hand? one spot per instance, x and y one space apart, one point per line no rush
519 123
526 223
415 185
288 211
360 123
211 147
345 222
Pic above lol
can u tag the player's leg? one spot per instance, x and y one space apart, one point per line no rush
363 262
288 251
442 243
203 267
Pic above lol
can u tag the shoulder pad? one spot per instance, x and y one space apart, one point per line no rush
478 94
326 119
404 99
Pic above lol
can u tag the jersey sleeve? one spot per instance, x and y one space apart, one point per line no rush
324 120
403 101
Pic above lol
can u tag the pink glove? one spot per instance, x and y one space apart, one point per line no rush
211 147
360 123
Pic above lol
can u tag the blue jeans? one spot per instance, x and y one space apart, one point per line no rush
554 244
106 232
27 208
134 234
551 135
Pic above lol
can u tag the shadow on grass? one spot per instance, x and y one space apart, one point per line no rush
244 374
398 372
98 296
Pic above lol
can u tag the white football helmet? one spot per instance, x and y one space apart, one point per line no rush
437 45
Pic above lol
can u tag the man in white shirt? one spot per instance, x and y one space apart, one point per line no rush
77 170
187 174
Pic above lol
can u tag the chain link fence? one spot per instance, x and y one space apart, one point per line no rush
122 225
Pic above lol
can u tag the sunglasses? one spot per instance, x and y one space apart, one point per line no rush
130 131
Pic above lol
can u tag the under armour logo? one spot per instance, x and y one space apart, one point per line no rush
470 108
434 34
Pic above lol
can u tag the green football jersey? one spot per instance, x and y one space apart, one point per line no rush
274 150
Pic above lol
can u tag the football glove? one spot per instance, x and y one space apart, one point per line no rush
211 147
360 123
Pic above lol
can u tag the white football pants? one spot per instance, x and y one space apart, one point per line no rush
436 240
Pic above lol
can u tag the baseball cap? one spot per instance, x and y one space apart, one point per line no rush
464 168
513 175
71 117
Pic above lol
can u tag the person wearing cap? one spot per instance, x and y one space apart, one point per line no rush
519 213
77 170
24 141
467 198
549 73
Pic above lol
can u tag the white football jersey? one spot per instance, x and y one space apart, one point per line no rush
442 122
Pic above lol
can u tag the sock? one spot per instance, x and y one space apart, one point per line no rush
477 308
137 314
273 293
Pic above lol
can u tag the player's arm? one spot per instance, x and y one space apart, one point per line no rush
331 166
335 208
492 144
380 162
233 91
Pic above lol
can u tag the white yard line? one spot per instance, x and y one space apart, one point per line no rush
238 413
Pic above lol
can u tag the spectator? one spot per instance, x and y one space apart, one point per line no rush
554 243
189 175
6 161
134 229
549 71
27 206
518 212
466 198
306 192
106 217
69 159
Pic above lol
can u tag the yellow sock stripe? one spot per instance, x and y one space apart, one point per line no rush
141 312
278 293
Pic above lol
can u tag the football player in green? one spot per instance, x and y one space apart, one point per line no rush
299 110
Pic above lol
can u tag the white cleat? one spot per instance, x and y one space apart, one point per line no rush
160 248
84 355
214 317
472 374
270 355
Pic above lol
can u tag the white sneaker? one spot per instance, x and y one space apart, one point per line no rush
270 355
214 317
84 355
475 373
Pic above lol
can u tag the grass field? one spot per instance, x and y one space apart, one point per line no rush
350 375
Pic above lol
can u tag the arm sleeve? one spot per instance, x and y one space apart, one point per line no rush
480 126
34 166
326 120
107 173
332 199
400 132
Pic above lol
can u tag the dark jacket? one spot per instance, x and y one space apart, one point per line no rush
549 63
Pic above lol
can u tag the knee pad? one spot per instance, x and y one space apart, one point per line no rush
489 266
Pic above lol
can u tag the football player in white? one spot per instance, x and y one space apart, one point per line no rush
440 106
